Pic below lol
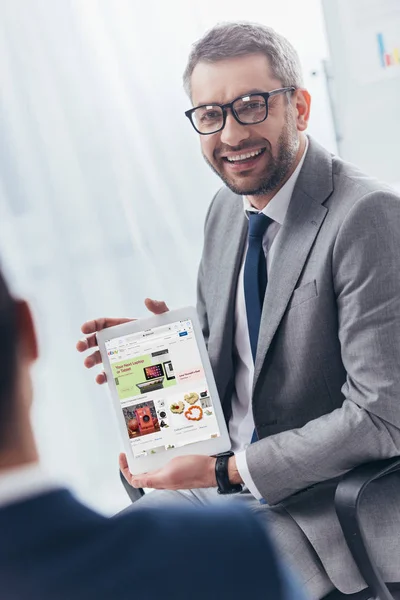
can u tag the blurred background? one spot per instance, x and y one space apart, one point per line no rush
103 190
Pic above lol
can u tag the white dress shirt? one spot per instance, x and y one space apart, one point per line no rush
241 424
24 482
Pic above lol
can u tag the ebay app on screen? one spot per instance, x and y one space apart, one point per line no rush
162 388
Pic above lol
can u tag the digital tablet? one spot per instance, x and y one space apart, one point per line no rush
163 389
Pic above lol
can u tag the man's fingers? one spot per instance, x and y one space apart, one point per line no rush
94 325
123 465
137 481
101 378
102 323
92 360
85 343
154 480
156 306
91 327
123 462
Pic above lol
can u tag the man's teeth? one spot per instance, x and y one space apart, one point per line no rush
244 156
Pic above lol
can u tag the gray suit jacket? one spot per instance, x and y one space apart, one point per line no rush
326 393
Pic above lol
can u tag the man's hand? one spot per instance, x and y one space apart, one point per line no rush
90 328
181 473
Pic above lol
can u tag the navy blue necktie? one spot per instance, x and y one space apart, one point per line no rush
255 280
255 276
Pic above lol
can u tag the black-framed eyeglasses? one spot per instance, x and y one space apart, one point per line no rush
249 109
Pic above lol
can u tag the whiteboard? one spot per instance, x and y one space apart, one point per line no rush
364 43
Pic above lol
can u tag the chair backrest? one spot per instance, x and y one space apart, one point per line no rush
349 493
365 594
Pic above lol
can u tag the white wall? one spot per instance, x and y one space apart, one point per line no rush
102 187
366 94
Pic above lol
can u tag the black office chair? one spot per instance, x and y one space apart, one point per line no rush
348 497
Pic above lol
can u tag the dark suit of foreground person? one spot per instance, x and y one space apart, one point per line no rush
52 547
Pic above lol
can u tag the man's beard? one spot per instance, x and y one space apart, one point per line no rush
276 170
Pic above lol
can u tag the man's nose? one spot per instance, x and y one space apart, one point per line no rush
233 133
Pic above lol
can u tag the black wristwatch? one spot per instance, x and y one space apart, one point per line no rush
222 477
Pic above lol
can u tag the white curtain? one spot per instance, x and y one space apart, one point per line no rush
103 190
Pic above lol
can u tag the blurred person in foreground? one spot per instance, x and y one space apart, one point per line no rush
54 548
299 300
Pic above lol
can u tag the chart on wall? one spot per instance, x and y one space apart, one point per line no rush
364 67
373 38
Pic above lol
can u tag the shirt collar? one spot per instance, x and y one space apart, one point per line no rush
277 207
24 482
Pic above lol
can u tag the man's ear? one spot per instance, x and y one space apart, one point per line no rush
27 340
303 105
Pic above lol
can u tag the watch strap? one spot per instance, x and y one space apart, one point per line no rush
222 477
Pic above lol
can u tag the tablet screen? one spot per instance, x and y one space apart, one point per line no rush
162 388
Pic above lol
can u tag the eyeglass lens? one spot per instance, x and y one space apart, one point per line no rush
249 109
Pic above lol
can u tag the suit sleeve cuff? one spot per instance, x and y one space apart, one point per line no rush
241 464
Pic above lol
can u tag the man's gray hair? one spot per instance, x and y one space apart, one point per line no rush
228 40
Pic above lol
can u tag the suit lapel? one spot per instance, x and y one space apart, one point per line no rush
229 266
303 220
230 259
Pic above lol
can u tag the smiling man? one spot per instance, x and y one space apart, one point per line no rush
250 160
299 299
